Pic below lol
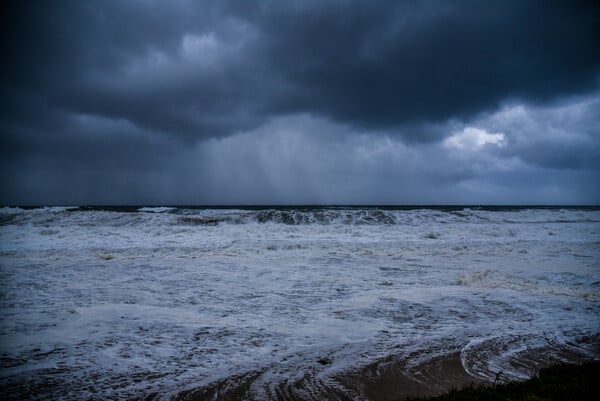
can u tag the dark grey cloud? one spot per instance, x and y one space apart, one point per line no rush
295 101
375 64
433 60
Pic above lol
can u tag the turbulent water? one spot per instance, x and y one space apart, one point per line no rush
136 302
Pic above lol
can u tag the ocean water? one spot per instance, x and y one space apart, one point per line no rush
120 303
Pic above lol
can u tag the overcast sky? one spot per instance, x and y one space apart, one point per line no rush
300 101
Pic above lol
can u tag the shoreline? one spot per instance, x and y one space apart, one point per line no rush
553 383
393 378
389 379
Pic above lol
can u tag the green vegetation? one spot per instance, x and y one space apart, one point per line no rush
557 383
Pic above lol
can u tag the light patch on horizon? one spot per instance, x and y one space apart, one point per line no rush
473 139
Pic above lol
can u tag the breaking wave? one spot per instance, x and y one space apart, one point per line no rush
197 216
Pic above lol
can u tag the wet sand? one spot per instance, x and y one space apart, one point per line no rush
385 380
392 378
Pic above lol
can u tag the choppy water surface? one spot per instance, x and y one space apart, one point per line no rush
129 302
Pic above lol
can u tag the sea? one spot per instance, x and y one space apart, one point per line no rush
152 302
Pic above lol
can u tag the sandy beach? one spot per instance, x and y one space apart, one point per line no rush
385 380
389 379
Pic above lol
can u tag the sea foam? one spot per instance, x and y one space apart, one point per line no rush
142 301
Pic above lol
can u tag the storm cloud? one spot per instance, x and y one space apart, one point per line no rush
300 102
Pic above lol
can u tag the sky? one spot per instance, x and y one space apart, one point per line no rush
299 102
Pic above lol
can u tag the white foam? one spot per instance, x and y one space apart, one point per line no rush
10 210
161 209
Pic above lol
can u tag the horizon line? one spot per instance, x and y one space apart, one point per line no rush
305 205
